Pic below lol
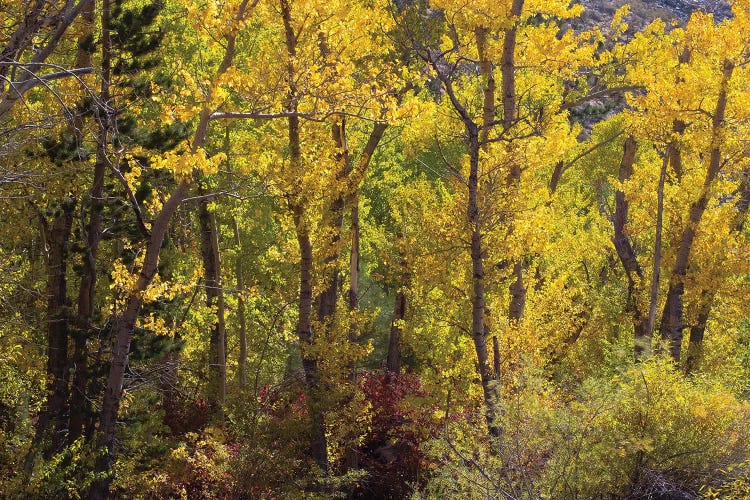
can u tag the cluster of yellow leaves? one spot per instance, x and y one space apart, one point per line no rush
183 162
124 279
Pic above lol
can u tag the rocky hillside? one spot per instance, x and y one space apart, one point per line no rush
683 8
599 12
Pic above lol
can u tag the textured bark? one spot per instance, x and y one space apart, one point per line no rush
496 356
489 385
80 406
672 324
217 374
557 174
318 443
626 253
708 297
354 265
678 127
51 422
657 248
486 69
123 334
393 362
508 66
517 294
675 153
698 330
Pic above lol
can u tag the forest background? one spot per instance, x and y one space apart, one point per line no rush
373 249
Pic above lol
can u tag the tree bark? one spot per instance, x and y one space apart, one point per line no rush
657 247
327 300
678 127
489 385
123 334
354 266
393 361
707 296
508 66
698 330
318 442
51 422
672 324
80 407
626 253
217 375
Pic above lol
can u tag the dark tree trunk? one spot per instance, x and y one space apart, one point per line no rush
508 67
517 294
125 322
697 331
656 271
626 253
478 300
217 375
393 362
678 127
51 424
708 297
318 443
672 317
327 300
354 266
80 406
123 334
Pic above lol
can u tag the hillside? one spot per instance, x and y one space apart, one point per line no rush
599 12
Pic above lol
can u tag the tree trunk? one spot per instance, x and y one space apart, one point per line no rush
354 266
489 385
51 422
242 359
628 258
80 406
697 331
393 362
217 375
508 67
327 300
657 248
708 297
672 316
318 444
123 334
678 127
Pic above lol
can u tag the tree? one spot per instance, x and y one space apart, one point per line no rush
490 175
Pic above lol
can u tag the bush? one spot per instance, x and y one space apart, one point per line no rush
646 432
